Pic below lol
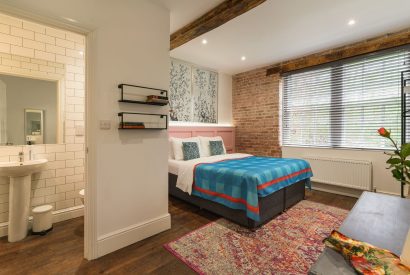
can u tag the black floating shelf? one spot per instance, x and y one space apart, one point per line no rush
140 94
143 102
140 123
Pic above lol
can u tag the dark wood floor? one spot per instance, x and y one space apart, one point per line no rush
61 251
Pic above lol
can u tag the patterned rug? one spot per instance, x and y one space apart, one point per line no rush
289 244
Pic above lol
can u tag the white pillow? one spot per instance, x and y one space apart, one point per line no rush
205 148
170 149
177 146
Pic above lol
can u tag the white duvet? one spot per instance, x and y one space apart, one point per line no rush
186 169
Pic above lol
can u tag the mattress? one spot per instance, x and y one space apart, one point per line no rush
173 166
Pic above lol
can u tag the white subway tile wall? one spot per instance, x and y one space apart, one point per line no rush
37 50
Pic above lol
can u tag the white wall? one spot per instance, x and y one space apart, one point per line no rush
224 99
382 178
128 168
128 42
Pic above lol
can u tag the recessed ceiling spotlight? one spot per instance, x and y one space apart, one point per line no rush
243 58
351 22
204 41
70 19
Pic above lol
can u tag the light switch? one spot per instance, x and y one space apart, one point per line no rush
105 124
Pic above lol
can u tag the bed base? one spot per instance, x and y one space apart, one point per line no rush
269 206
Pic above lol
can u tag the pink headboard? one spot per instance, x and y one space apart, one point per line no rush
227 134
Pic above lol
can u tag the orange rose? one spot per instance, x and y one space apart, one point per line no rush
383 132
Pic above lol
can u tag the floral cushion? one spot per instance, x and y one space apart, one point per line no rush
216 147
190 150
366 258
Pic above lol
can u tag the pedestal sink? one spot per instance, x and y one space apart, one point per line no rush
19 194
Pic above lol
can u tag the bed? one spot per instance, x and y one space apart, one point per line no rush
192 181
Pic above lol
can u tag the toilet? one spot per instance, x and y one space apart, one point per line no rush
81 193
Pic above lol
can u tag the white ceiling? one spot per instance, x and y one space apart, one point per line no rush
183 12
280 30
275 31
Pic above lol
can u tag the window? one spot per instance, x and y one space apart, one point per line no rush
342 104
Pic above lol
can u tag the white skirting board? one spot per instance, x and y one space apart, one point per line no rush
132 234
336 190
347 191
58 216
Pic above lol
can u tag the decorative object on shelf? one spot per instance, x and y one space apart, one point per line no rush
193 93
157 99
142 121
366 258
133 125
143 95
398 160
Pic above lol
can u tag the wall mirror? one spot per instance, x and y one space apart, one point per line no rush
34 128
29 111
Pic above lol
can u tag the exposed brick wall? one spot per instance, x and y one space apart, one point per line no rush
256 112
255 95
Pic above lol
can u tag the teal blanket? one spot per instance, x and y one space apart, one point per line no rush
238 183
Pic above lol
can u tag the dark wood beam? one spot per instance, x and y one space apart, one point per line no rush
216 17
371 45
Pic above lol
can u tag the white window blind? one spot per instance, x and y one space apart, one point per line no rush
342 104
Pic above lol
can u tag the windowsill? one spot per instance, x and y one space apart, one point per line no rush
336 148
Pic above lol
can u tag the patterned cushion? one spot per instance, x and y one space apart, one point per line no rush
216 147
366 258
190 150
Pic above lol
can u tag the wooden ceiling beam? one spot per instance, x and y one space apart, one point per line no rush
371 45
216 17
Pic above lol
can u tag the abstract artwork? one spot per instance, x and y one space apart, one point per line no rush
204 91
193 93
180 95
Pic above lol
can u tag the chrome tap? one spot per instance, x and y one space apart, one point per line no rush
21 156
30 153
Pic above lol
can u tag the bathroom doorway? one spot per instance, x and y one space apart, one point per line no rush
40 127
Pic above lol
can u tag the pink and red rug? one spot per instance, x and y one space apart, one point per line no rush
289 244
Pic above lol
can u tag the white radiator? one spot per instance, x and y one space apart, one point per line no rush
355 174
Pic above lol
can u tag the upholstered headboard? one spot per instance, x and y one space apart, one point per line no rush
227 134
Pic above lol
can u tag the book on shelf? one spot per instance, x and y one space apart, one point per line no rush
157 99
132 125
